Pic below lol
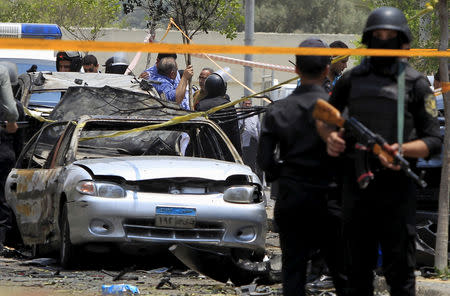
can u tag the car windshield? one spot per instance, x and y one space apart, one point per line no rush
183 140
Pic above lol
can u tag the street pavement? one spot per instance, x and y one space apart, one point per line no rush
424 286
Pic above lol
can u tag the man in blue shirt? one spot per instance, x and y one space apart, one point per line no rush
150 72
167 72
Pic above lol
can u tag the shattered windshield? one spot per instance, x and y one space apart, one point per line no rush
184 140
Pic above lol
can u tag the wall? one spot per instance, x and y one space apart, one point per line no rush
234 90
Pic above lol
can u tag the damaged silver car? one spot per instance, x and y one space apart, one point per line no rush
124 179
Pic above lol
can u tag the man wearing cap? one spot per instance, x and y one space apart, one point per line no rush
383 213
300 170
11 140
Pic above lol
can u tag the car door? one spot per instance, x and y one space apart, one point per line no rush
32 186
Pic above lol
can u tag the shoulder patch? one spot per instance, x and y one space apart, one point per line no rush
430 105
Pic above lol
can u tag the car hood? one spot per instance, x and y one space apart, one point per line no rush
138 168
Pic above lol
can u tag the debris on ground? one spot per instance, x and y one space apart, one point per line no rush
166 283
122 289
40 262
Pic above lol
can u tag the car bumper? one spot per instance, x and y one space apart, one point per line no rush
131 220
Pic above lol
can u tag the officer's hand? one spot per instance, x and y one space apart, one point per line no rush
188 72
388 164
11 127
335 143
144 75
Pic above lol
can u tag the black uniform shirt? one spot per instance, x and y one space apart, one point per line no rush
372 99
226 118
289 124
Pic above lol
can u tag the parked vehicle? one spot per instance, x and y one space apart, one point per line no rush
95 185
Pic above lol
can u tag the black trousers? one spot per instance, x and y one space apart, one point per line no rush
301 216
381 215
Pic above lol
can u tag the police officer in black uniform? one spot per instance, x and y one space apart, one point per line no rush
300 170
216 89
10 146
383 214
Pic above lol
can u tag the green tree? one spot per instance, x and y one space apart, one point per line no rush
72 15
320 16
193 16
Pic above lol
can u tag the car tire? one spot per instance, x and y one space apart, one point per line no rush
67 252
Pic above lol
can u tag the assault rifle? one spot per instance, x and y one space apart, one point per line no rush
327 113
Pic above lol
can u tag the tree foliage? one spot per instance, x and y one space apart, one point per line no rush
192 16
305 16
72 15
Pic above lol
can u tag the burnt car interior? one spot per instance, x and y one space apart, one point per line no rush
185 139
49 147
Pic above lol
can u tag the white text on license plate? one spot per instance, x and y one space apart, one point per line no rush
175 217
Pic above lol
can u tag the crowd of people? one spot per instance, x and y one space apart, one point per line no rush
311 165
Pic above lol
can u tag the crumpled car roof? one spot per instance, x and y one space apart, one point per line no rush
64 80
112 101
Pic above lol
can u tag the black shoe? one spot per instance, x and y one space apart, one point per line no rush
323 283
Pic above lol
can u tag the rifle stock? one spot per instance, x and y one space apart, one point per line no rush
327 113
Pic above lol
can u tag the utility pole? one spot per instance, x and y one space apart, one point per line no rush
249 32
441 257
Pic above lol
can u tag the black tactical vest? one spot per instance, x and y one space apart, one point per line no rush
373 101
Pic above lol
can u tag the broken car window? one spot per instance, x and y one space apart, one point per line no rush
40 146
186 139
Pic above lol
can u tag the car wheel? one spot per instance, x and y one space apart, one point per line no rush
67 251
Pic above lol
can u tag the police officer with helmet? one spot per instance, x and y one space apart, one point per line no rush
383 214
216 88
117 64
68 61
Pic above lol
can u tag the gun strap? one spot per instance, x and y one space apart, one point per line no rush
400 104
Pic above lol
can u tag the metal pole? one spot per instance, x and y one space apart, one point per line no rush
441 257
249 32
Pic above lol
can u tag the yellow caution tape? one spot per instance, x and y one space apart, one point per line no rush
183 118
38 117
68 45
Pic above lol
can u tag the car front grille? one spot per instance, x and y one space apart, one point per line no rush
145 229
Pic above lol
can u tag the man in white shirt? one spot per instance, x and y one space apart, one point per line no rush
249 128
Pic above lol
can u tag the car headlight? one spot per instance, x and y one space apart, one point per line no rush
242 194
101 189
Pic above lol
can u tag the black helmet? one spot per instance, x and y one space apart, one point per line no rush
215 85
74 57
117 64
387 18
12 70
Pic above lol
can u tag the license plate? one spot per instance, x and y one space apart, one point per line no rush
175 217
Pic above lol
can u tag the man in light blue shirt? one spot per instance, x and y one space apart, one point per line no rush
167 71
